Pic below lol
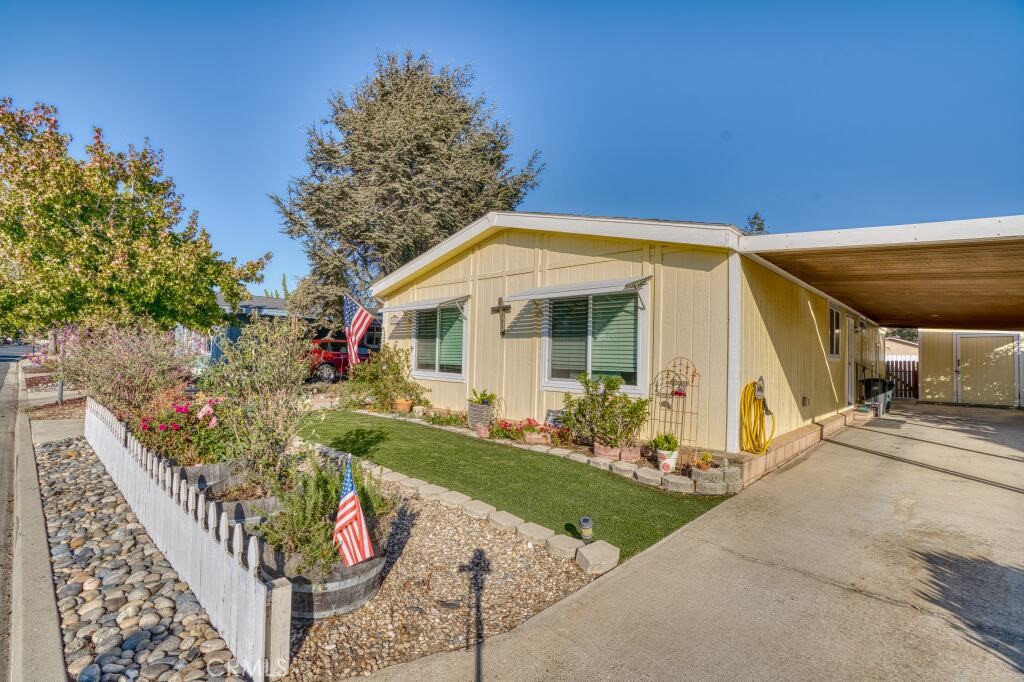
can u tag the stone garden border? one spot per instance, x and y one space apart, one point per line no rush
594 558
220 561
722 480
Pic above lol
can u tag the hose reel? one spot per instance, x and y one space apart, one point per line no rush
754 411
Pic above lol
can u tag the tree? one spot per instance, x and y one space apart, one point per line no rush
756 225
409 158
905 333
101 237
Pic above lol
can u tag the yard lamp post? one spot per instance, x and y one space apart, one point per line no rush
587 529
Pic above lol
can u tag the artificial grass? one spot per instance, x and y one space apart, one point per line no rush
537 487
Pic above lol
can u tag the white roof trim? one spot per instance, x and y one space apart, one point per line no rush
951 231
428 304
695 234
608 286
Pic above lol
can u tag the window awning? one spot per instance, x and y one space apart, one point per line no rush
428 304
608 286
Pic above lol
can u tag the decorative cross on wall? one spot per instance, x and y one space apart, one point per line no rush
501 309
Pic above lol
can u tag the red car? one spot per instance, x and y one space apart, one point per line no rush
329 357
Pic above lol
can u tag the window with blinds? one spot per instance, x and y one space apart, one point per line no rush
596 336
439 340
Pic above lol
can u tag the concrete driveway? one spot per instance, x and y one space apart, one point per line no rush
846 564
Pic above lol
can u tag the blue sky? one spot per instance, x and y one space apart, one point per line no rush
816 114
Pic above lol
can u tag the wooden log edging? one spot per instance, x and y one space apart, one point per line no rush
220 561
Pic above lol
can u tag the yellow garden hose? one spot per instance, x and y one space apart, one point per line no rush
753 410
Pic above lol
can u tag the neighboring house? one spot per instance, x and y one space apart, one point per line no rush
972 367
206 344
623 297
897 348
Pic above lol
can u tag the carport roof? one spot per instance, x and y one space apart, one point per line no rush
962 274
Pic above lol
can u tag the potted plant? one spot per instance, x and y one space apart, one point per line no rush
534 433
403 405
603 415
480 410
630 416
666 446
703 462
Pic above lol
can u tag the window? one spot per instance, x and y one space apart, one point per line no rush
438 339
596 335
835 325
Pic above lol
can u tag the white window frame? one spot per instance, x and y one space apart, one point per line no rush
436 375
832 310
547 383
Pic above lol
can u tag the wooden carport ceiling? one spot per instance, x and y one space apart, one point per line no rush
973 285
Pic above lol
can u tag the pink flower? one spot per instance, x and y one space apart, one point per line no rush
181 409
145 426
162 427
175 427
213 422
205 412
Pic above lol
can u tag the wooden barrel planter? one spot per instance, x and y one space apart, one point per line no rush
342 590
313 597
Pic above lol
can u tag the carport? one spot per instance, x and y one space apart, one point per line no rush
965 275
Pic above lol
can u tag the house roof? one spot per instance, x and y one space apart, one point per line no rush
956 274
264 305
719 235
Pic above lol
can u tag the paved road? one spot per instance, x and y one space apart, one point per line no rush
8 414
844 565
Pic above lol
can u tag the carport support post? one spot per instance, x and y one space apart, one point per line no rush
735 340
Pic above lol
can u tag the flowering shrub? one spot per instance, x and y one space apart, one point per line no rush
126 366
185 429
507 428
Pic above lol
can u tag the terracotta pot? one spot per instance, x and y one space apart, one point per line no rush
537 438
606 451
630 454
482 430
403 405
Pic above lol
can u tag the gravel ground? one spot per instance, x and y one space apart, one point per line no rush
41 383
427 603
71 409
124 613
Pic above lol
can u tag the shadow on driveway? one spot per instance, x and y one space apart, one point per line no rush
985 600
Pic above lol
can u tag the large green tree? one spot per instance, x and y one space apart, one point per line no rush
102 236
410 157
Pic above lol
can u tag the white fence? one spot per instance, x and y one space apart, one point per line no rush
219 561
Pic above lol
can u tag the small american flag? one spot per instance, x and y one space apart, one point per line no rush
357 321
350 533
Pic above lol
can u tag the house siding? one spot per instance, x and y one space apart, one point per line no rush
998 381
785 340
687 315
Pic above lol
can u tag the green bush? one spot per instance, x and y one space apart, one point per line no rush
665 442
309 504
261 376
602 413
384 378
447 419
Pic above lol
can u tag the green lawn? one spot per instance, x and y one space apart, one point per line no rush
548 490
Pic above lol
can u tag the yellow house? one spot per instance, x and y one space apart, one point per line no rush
521 304
971 367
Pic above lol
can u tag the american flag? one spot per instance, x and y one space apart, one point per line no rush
350 533
357 321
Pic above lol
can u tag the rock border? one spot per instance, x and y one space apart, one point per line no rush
595 558
729 482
